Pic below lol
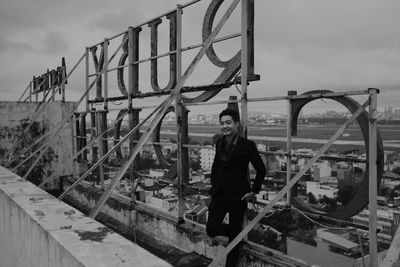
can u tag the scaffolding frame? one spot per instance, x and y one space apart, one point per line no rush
175 98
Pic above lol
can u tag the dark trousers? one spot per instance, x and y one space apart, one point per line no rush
216 213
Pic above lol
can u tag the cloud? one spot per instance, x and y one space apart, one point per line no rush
117 20
19 16
19 47
55 43
336 25
300 45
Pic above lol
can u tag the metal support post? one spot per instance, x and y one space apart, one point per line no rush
87 78
244 73
34 81
30 91
105 74
132 122
63 81
372 174
244 67
101 146
133 84
289 144
93 133
82 134
43 87
182 165
77 134
74 172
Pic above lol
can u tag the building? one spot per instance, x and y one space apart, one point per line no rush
330 250
384 221
321 169
319 189
207 155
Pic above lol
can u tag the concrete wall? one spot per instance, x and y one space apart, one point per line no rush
36 229
164 228
11 115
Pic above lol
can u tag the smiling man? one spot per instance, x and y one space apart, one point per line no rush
230 186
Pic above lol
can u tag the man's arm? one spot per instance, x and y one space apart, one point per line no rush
258 165
214 167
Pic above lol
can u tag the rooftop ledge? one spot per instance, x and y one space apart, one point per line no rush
37 229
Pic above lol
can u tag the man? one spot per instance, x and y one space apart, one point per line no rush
230 187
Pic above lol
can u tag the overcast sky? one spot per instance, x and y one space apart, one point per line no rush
300 45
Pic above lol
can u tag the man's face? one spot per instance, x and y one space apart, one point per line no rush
228 126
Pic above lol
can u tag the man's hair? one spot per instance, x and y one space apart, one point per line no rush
230 112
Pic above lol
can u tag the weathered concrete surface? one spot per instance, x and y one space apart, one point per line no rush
164 228
11 115
36 229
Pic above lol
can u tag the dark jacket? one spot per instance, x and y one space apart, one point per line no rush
230 177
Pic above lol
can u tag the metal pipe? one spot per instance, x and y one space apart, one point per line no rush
87 77
289 145
372 174
105 68
262 99
179 110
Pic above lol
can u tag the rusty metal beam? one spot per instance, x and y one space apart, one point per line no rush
373 177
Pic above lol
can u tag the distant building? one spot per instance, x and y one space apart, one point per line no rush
261 147
384 220
330 250
337 167
207 155
197 214
321 169
344 174
156 173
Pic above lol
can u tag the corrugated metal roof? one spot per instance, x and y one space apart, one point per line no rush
337 240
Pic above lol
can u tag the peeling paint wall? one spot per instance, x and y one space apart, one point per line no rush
12 117
38 230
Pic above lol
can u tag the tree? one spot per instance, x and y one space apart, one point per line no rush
194 165
194 142
329 202
311 198
396 170
207 143
345 194
357 170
